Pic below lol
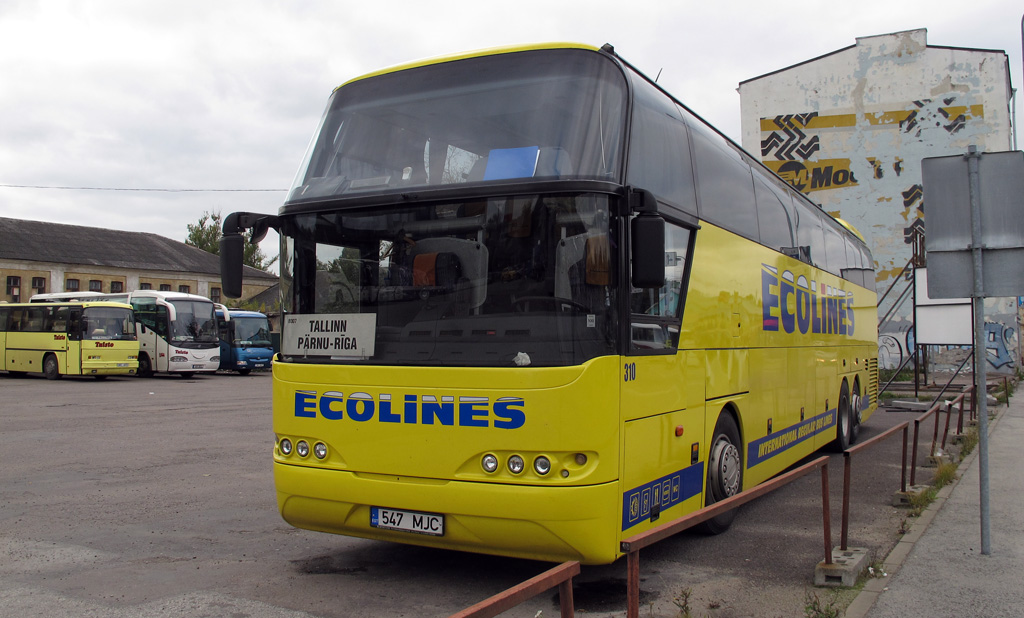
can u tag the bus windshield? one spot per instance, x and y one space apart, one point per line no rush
108 323
524 280
251 332
194 322
532 114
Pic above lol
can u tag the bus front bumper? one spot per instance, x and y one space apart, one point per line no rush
539 523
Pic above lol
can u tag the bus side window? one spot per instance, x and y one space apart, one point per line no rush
658 312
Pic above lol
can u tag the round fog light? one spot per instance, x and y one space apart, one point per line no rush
515 464
302 448
286 446
320 450
489 463
542 465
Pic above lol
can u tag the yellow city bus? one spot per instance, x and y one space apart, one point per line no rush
533 305
87 338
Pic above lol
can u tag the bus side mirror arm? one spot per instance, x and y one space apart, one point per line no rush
232 246
647 241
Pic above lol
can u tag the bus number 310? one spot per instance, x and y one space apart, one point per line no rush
629 373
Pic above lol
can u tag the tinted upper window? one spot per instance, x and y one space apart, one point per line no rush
544 113
659 149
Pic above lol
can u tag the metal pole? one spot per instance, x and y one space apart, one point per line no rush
980 355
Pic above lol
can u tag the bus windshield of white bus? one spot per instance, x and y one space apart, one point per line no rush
194 322
532 114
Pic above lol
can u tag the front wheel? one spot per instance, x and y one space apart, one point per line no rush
145 367
50 367
725 472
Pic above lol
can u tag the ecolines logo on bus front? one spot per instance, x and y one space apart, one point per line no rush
825 310
468 411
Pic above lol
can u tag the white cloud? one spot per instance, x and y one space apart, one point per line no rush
197 95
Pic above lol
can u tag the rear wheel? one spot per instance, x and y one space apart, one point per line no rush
846 422
725 471
50 367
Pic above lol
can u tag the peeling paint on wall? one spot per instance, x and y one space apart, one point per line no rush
850 129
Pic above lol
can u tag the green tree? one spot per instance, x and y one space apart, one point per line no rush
205 234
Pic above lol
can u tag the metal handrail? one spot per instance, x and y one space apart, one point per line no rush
560 576
632 546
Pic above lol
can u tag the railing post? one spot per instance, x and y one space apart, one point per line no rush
565 601
633 584
945 432
935 434
913 454
903 460
844 533
826 513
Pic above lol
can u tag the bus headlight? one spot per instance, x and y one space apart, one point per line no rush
516 464
489 463
302 448
214 359
286 446
542 465
320 450
179 359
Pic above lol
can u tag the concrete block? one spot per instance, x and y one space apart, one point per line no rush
903 498
846 567
936 460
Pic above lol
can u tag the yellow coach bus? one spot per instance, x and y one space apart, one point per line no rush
533 305
88 338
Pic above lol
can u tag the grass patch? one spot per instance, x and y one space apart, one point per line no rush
905 375
970 442
815 607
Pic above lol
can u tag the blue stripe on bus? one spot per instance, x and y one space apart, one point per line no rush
665 492
771 445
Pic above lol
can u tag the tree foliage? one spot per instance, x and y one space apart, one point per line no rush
206 232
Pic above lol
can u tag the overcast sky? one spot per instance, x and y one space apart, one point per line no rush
184 97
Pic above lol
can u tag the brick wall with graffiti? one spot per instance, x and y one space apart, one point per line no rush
850 129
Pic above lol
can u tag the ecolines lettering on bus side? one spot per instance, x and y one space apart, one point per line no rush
830 312
468 411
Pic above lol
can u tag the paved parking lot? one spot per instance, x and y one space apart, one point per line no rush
154 497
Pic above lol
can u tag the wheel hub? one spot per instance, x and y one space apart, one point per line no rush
725 469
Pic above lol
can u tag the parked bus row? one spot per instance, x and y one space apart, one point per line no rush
161 332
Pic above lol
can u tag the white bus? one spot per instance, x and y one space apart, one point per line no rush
177 331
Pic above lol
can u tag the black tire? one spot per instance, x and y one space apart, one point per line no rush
145 367
845 422
50 367
725 472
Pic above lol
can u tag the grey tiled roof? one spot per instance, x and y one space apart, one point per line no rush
39 241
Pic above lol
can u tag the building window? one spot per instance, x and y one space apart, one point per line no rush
39 285
184 288
116 287
14 288
95 285
165 287
71 285
215 294
145 286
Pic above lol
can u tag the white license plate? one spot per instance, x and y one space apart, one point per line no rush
407 521
199 366
259 365
124 364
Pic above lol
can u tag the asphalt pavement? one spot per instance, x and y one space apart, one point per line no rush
937 569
